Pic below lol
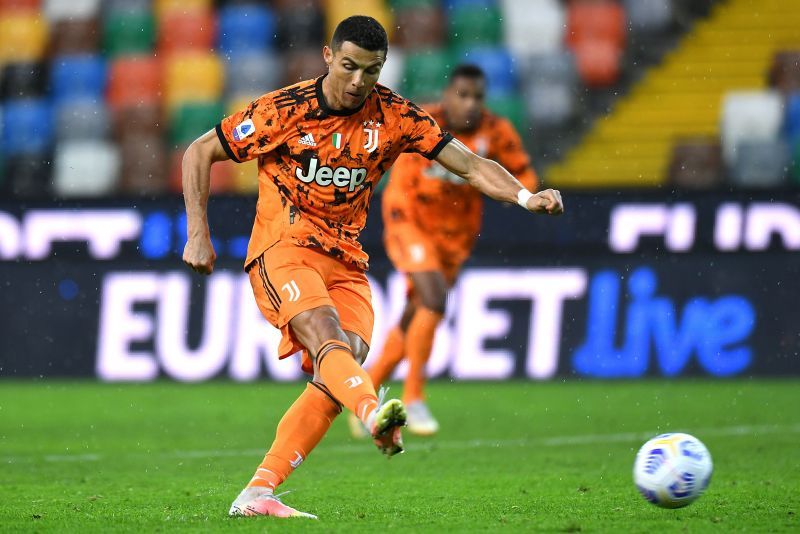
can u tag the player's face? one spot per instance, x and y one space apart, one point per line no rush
463 103
352 74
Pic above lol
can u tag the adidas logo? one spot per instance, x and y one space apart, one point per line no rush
308 139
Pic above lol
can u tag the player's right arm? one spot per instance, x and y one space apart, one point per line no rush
196 177
491 179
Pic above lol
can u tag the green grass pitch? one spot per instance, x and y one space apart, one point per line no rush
516 456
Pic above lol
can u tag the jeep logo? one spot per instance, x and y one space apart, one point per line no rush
340 176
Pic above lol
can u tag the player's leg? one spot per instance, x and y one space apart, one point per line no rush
431 290
394 347
304 423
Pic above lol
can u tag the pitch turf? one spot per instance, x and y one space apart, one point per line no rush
80 456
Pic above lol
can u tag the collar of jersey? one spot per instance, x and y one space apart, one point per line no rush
327 109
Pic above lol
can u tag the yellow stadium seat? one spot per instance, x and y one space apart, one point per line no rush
192 77
23 36
336 11
162 7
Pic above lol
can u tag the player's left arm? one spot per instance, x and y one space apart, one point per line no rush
493 180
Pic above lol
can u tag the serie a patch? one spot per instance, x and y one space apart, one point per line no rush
243 130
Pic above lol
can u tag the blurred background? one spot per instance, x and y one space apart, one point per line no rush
672 126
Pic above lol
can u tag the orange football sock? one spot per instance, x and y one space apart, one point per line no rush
393 351
345 379
419 342
299 431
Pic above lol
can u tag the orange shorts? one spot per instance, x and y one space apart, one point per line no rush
288 279
412 250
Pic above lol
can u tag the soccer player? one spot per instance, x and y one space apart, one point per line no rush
431 219
322 145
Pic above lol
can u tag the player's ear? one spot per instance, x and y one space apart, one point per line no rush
327 55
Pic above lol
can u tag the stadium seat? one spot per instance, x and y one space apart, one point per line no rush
20 5
192 77
128 7
22 80
192 30
550 103
749 116
137 120
244 178
33 117
144 164
55 10
254 73
474 25
425 74
221 173
126 33
134 80
419 28
82 120
23 36
533 26
300 27
82 76
399 5
246 28
792 119
28 175
450 5
164 8
336 11
559 66
85 169
392 71
794 169
648 16
594 21
784 74
75 36
599 62
761 164
193 119
303 64
696 164
498 65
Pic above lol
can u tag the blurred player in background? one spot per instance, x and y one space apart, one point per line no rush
431 219
322 146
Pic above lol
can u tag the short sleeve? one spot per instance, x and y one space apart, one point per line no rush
252 131
510 153
421 132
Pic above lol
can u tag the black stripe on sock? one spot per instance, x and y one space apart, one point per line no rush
329 346
327 392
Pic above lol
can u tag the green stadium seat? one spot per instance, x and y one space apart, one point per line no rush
128 33
474 26
192 119
398 5
794 169
512 108
425 74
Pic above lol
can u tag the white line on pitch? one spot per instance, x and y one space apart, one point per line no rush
433 445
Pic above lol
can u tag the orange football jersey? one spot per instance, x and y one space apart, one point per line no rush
318 167
443 204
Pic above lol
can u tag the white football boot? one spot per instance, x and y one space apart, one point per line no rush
420 420
261 501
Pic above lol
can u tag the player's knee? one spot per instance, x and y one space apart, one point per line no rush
435 300
315 327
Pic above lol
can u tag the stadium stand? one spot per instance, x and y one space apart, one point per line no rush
142 78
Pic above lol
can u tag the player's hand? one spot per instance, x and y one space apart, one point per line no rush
547 201
199 255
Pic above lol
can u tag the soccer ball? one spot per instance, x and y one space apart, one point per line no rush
672 470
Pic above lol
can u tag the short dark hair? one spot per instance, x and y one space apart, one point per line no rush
466 70
364 32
